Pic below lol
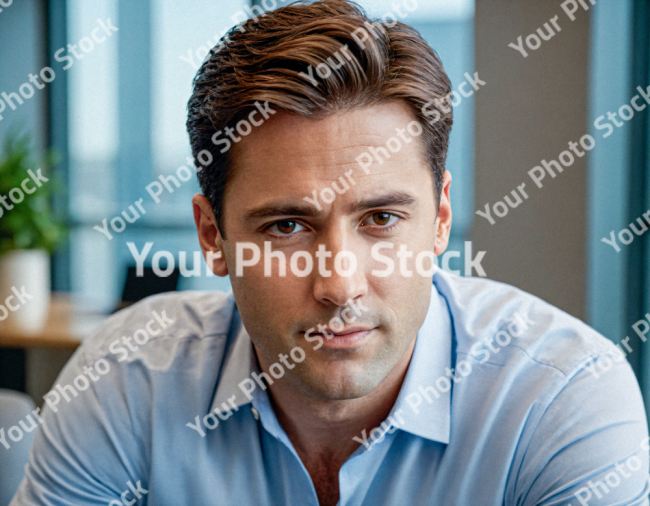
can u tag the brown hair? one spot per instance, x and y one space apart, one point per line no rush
262 61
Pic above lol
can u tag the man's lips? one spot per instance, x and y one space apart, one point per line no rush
345 339
349 331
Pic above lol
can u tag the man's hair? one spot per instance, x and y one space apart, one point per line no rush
267 60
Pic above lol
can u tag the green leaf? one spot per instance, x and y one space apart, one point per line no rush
31 223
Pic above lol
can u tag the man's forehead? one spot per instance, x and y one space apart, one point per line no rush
293 156
291 149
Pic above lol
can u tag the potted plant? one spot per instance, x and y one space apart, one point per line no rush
29 232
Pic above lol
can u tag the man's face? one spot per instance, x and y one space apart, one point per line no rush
276 167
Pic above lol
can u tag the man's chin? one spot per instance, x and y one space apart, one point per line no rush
338 384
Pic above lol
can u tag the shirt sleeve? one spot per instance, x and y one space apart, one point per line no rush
88 449
591 445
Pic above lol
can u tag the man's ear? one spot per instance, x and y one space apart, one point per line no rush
209 235
443 222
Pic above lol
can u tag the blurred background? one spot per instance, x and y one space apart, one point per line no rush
113 122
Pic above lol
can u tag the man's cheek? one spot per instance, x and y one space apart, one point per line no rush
401 261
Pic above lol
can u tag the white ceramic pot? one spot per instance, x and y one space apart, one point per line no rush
25 289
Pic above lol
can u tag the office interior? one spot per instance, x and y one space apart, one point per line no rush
112 124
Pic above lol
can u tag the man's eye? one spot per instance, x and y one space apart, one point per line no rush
381 219
285 227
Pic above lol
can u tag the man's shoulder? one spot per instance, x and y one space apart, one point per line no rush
496 323
189 316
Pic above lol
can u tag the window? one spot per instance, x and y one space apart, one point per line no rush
127 128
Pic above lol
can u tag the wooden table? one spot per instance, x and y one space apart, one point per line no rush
67 325
31 362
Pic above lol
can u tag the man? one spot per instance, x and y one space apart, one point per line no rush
344 368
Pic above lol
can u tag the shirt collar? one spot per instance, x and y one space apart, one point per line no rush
238 364
431 356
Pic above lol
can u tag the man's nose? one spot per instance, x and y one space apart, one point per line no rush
344 279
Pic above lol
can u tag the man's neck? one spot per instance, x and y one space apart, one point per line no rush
321 428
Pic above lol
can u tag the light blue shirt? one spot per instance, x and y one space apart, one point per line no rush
539 410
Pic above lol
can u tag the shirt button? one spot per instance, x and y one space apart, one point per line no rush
255 414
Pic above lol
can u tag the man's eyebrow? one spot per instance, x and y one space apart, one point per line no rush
396 198
281 209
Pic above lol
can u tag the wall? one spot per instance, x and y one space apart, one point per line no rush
529 110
